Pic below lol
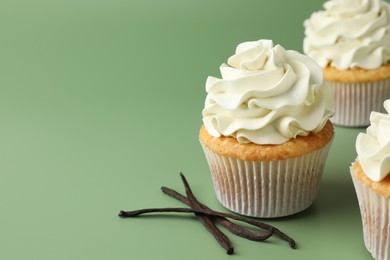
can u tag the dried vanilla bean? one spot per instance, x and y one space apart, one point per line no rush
207 217
207 222
232 227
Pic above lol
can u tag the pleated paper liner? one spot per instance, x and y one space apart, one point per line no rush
353 102
267 189
375 210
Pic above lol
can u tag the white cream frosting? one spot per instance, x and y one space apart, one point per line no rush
349 34
267 95
373 147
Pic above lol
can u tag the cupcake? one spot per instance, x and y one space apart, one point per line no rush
266 131
371 177
350 40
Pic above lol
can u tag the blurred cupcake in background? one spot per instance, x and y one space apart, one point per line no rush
371 177
350 40
266 133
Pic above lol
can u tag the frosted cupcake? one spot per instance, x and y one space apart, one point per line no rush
266 133
350 40
371 176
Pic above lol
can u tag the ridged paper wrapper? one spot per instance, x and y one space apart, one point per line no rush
375 214
267 189
353 102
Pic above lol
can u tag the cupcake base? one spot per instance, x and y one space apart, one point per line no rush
267 189
375 213
354 101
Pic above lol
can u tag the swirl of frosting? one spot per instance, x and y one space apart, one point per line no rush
267 95
349 34
373 147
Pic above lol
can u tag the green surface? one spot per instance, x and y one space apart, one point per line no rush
100 105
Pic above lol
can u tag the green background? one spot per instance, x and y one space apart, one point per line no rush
100 105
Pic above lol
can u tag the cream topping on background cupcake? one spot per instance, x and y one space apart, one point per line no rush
373 147
267 95
349 34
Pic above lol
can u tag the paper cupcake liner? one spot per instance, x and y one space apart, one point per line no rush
353 102
267 188
375 210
